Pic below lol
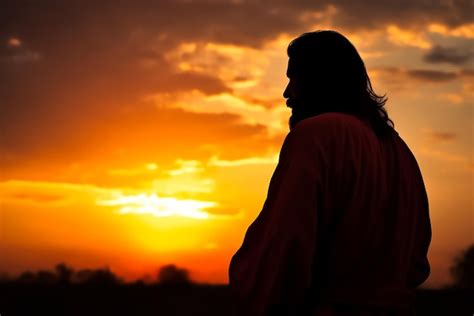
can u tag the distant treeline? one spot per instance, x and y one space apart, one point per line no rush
66 291
462 271
65 274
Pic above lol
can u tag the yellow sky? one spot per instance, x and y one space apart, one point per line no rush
128 147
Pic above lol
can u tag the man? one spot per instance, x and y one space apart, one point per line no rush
345 228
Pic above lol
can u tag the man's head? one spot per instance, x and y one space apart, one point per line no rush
326 74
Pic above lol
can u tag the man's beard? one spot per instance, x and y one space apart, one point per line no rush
297 115
296 112
304 108
295 118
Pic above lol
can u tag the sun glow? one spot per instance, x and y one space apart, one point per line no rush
159 206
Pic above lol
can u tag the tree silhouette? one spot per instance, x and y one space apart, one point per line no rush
26 277
4 277
172 275
463 269
64 273
101 276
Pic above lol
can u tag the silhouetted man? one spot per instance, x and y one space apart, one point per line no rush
345 228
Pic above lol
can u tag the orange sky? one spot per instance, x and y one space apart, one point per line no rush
135 136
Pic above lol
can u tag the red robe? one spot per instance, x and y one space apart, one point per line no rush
344 230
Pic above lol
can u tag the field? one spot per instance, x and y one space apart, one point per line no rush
185 299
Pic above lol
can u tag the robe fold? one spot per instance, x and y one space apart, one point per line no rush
344 230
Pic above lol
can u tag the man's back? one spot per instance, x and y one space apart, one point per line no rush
346 221
373 226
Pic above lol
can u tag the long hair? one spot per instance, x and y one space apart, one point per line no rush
335 79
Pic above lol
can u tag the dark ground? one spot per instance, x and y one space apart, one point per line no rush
187 299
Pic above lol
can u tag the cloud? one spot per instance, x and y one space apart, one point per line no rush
215 161
443 136
449 55
429 75
249 113
463 31
14 42
439 137
221 21
185 185
163 198
13 50
268 103
167 206
163 22
143 169
155 205
219 60
373 14
402 78
35 198
186 166
51 194
467 73
402 37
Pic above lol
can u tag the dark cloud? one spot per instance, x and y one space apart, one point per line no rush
238 22
34 197
467 73
401 78
263 102
429 75
370 14
441 136
449 55
166 22
12 50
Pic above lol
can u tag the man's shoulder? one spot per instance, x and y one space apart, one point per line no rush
322 130
330 122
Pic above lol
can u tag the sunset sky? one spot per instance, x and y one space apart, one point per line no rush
140 133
